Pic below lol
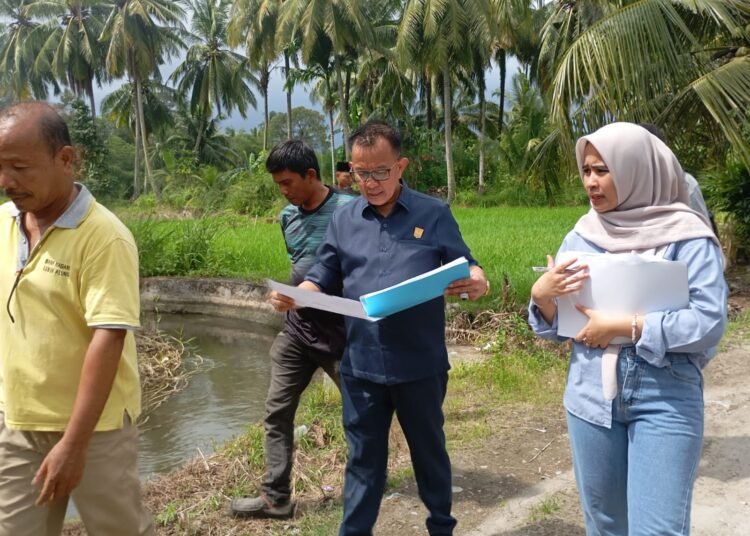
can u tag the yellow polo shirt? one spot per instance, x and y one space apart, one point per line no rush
82 275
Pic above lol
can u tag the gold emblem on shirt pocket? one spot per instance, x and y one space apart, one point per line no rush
418 232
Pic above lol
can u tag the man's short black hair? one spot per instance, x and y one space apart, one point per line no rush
51 125
370 132
342 167
294 155
655 130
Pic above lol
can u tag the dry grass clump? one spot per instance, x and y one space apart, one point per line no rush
466 327
164 367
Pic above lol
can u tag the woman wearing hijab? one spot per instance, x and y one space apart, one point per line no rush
636 443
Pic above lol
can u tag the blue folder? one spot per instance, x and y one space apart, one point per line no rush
414 291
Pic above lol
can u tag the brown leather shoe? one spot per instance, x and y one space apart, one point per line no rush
260 507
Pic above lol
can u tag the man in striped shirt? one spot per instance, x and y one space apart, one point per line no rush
310 339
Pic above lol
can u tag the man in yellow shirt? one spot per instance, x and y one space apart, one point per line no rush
69 388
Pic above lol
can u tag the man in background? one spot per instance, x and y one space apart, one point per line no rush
344 178
310 339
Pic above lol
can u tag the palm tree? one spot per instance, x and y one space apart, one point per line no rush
324 93
120 108
215 77
342 25
140 35
436 33
20 43
382 88
253 23
676 62
513 20
72 51
214 146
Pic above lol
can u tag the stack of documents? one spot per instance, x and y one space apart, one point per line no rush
626 283
377 305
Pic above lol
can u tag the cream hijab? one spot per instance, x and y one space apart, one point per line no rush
652 196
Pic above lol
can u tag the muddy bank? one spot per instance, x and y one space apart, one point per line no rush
228 298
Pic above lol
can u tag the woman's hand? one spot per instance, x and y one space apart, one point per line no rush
602 327
558 281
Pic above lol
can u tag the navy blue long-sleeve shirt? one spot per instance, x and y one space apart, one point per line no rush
366 252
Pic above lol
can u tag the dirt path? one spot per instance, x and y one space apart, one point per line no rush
721 504
519 483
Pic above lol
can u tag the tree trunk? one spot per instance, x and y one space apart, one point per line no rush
482 130
137 163
92 101
344 106
348 88
447 108
333 147
144 138
428 98
288 97
265 80
199 137
500 58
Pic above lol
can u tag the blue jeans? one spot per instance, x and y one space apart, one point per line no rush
636 479
368 409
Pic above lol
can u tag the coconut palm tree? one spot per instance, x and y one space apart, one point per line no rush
120 108
436 34
140 36
676 62
253 23
324 93
72 51
216 78
20 43
343 25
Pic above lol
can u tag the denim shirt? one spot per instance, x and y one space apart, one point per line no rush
691 333
367 252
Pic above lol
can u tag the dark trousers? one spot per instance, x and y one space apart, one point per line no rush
292 367
368 410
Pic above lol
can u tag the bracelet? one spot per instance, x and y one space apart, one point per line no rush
634 328
486 292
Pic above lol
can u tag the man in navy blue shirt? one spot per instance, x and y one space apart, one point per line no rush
399 364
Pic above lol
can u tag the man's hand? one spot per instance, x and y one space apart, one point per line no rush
61 471
280 302
473 287
283 303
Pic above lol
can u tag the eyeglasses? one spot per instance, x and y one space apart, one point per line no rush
379 175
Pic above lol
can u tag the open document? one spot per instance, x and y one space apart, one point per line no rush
376 305
625 283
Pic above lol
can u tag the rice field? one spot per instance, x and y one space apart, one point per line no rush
506 241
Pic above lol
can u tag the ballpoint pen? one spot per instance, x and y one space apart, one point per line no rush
545 269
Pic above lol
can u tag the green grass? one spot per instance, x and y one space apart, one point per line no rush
738 331
545 509
505 241
510 240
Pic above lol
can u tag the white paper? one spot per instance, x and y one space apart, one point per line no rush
625 283
323 302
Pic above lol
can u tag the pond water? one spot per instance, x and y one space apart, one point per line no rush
220 401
